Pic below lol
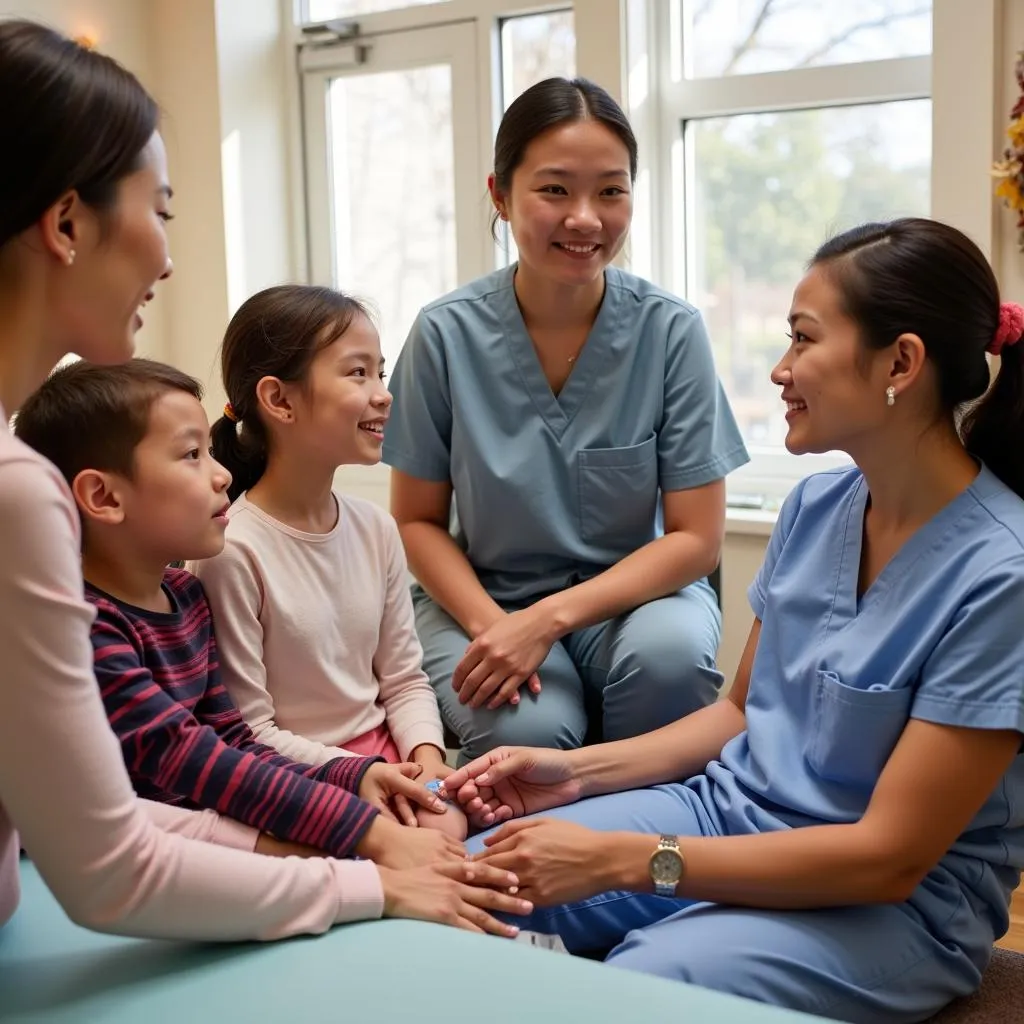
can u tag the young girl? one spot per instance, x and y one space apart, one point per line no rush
310 596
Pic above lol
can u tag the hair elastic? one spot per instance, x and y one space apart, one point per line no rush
1010 329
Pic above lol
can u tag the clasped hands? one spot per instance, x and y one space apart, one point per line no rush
399 792
504 656
552 861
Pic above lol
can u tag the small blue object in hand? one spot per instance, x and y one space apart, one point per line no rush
436 786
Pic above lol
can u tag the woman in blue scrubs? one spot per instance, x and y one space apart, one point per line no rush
569 415
851 822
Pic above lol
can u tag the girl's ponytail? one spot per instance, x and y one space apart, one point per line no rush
242 450
276 333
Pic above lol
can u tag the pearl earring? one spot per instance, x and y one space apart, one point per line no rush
890 395
70 257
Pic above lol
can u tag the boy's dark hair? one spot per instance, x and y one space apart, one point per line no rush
93 417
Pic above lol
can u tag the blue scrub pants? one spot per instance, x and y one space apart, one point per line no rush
878 964
639 671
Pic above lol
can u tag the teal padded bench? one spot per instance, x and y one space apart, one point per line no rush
383 971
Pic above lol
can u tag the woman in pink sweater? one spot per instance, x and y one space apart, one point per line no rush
82 245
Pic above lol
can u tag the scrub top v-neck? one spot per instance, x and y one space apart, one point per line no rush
551 490
834 682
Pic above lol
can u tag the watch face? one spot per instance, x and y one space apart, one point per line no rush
666 866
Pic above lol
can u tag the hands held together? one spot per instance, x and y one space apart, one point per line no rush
503 657
427 874
425 871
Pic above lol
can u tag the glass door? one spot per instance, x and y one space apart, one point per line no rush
396 190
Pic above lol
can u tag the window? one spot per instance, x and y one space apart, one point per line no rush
741 37
533 47
398 118
781 122
765 191
392 179
326 10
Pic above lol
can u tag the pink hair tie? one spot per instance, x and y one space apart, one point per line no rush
1010 329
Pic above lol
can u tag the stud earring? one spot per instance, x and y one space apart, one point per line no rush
890 395
70 257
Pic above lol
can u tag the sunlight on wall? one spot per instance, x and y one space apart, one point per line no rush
234 219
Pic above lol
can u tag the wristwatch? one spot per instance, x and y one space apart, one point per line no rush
666 866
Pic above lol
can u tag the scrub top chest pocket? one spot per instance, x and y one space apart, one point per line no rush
854 730
618 494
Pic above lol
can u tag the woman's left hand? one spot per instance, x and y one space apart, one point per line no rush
555 861
502 658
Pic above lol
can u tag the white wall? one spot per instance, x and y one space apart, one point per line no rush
221 74
187 85
256 83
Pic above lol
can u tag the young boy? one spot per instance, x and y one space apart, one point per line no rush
132 443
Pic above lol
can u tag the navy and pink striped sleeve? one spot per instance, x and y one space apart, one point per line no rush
173 757
217 710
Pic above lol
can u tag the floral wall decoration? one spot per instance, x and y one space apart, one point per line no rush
1009 172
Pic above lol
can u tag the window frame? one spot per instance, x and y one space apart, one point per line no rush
598 50
661 100
599 46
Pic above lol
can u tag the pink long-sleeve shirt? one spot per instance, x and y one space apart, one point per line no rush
114 863
316 632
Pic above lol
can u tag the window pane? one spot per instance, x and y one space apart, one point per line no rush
535 47
392 191
325 10
767 190
738 37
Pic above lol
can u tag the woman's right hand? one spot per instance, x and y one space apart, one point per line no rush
464 895
391 845
512 781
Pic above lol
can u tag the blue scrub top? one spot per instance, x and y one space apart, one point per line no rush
937 637
550 491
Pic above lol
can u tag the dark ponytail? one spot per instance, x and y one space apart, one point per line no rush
919 276
244 457
276 333
993 429
73 119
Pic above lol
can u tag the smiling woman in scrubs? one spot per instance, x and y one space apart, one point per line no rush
851 826
569 414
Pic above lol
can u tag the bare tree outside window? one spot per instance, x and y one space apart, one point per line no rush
392 177
392 168
737 37
325 10
767 188
533 47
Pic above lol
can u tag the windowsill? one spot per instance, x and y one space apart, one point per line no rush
749 522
